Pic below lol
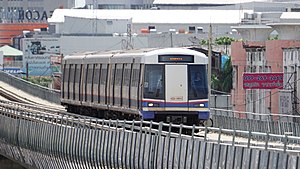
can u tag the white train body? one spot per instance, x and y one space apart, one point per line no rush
153 84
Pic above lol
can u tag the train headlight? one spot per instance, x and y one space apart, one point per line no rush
153 104
200 105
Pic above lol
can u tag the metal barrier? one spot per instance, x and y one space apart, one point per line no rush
36 90
280 124
64 141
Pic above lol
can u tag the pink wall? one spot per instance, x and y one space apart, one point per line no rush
274 56
238 58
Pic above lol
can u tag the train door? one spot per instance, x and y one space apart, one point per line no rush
176 87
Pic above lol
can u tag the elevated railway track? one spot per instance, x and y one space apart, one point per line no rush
51 138
40 135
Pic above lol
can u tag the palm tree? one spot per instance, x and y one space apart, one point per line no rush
224 40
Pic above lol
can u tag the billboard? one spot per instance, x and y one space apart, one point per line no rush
37 53
263 80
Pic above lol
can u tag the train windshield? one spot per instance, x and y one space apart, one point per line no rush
198 87
154 82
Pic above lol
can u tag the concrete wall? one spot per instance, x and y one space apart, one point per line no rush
36 90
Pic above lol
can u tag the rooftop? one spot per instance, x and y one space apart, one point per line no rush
10 51
155 16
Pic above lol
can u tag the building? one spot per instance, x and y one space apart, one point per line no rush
255 5
119 4
26 15
148 21
256 54
30 10
12 59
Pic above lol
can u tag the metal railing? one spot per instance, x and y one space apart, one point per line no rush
63 140
280 124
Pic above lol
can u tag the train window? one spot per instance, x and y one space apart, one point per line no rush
135 77
90 74
66 73
71 81
198 87
127 71
103 74
77 88
72 72
154 82
96 74
118 74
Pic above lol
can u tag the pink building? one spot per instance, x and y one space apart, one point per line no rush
257 56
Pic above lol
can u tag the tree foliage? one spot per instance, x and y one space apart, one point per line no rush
224 40
276 37
42 81
223 80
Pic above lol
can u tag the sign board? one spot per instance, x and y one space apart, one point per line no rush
37 53
285 102
263 80
24 15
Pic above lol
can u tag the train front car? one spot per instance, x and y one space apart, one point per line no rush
175 87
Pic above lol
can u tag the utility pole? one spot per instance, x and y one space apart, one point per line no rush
209 59
295 99
129 34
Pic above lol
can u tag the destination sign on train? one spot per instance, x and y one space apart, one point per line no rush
176 58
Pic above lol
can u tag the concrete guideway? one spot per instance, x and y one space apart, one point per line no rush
26 96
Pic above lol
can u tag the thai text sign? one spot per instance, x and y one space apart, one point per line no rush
263 81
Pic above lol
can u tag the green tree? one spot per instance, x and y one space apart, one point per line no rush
204 42
223 80
276 37
224 40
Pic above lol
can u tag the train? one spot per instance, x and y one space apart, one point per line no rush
167 84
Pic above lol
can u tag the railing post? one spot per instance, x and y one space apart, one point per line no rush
285 143
158 137
249 139
233 137
205 133
180 139
219 135
267 141
193 144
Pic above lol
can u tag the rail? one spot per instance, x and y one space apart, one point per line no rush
57 139
280 124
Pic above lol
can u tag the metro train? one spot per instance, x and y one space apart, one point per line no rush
167 85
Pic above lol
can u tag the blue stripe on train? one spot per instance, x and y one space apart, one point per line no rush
161 104
147 115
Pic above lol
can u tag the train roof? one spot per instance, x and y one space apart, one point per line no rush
147 55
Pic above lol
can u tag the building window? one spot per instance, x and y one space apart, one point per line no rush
109 22
111 6
192 29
